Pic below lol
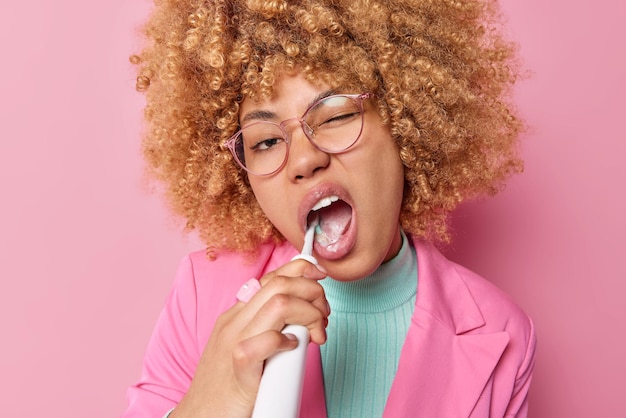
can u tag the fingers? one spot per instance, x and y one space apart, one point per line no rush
297 268
298 287
283 309
297 278
228 374
288 295
288 300
252 352
249 355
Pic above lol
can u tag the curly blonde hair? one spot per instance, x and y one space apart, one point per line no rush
440 69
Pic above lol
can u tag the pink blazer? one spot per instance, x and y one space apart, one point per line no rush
469 351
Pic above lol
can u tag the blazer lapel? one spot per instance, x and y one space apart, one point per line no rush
443 368
313 399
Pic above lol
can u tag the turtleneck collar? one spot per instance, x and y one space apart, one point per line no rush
391 285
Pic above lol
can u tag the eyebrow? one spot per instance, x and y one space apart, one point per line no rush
268 115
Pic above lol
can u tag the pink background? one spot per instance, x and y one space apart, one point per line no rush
87 254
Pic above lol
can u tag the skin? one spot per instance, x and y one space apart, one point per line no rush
229 371
228 374
371 172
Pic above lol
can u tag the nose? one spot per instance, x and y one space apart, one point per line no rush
304 158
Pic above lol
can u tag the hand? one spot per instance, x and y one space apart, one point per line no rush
229 371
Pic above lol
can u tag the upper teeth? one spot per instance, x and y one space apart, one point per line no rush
327 201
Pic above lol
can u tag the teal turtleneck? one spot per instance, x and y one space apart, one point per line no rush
367 328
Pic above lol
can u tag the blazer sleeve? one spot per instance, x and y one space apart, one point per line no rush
172 353
518 405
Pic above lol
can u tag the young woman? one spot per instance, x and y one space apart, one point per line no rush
371 120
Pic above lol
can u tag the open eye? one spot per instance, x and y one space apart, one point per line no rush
262 136
265 144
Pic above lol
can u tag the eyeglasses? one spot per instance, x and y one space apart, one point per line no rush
332 124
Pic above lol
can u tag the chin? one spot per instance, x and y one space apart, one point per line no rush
349 269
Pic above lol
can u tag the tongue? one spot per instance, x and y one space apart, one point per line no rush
333 222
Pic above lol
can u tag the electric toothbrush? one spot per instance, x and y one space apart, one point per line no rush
280 390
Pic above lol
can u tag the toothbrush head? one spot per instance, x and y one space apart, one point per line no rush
309 235
307 248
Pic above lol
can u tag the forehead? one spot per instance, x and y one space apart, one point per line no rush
291 95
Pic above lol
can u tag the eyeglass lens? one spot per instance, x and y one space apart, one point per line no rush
332 124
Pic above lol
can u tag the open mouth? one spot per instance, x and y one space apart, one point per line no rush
333 217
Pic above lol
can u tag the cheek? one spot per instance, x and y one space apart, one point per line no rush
395 190
388 170
272 202
263 195
391 180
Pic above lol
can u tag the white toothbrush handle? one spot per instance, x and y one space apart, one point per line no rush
280 390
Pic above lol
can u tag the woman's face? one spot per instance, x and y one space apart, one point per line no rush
360 189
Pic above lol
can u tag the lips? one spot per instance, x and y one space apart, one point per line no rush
335 234
332 222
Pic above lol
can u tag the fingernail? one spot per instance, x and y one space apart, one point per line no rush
291 337
321 268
